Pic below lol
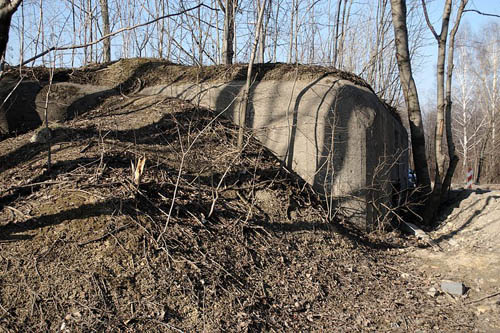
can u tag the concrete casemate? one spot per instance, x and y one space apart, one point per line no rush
27 101
335 134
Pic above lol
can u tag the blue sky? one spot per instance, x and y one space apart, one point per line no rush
424 75
426 78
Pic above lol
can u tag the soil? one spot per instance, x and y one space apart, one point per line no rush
126 72
125 76
209 239
469 250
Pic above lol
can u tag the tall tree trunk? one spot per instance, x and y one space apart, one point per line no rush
336 37
246 92
228 39
290 42
343 34
443 176
276 32
448 102
435 198
263 34
106 44
7 9
410 93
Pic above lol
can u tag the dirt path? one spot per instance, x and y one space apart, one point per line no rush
469 238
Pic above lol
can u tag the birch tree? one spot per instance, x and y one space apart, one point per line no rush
487 75
468 121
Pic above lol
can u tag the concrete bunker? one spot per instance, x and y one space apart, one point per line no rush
326 125
25 102
334 133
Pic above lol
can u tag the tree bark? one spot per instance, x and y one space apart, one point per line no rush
336 37
228 41
106 44
435 197
448 102
7 9
410 93
263 34
433 201
443 176
246 92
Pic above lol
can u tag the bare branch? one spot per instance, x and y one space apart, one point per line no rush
9 6
71 47
481 13
429 24
221 5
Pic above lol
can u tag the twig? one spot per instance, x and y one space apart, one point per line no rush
86 192
183 156
483 298
71 47
222 267
223 177
247 187
6 312
19 212
123 227
401 272
48 182
195 217
89 144
481 13
259 228
173 328
12 91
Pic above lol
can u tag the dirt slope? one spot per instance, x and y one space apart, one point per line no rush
469 238
211 240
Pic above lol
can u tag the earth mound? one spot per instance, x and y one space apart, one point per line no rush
28 95
210 239
470 249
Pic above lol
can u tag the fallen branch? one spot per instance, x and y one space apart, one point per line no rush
48 182
106 235
483 298
15 210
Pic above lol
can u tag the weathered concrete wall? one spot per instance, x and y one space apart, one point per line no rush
25 106
18 112
336 135
67 100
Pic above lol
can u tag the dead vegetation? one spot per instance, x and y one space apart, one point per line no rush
155 71
210 240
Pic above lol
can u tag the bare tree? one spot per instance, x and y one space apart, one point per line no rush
264 32
469 122
487 75
229 9
443 176
106 29
410 93
246 92
452 155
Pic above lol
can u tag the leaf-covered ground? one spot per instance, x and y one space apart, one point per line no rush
211 240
